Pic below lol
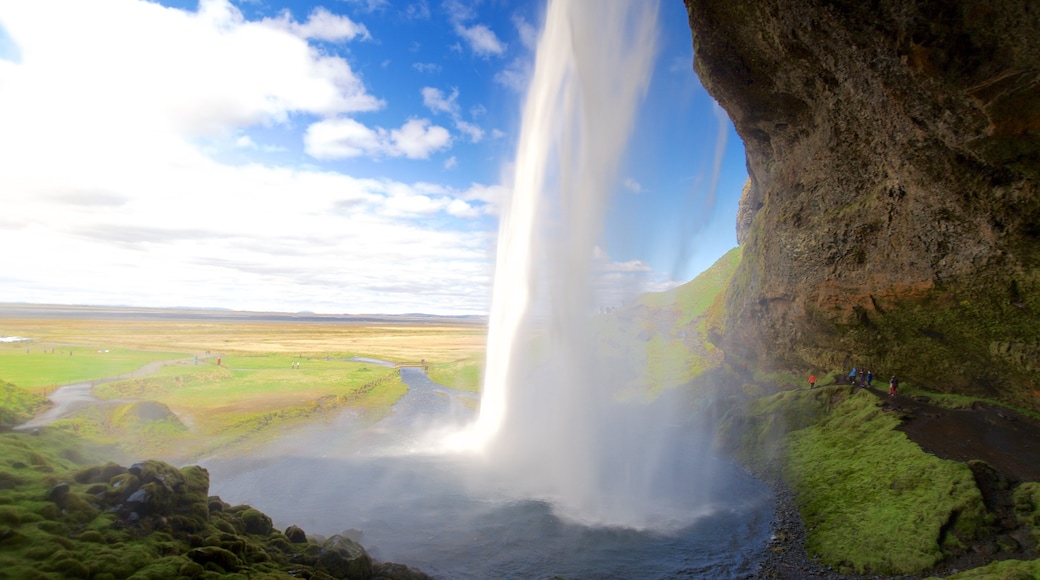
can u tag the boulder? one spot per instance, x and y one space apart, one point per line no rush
342 557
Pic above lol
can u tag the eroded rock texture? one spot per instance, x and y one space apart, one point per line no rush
893 219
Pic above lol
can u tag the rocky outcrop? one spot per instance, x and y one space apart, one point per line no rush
892 217
153 520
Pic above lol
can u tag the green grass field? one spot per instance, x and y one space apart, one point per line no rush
42 369
180 410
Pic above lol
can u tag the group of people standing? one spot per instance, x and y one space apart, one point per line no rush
863 378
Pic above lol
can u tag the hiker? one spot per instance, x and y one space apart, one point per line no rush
893 384
870 377
852 376
812 380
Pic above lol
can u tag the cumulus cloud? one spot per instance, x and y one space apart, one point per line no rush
344 137
633 185
232 73
110 198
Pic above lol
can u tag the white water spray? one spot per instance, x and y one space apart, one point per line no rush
550 414
593 65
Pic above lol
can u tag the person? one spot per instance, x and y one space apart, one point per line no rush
852 376
893 385
812 380
870 377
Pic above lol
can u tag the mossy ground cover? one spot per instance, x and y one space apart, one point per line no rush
64 515
872 500
18 405
47 364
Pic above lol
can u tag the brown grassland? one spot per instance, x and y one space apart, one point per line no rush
436 342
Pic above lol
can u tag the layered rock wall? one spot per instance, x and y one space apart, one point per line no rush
892 218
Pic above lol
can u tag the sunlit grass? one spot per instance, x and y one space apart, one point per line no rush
41 369
463 375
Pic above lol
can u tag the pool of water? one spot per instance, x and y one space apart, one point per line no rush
455 517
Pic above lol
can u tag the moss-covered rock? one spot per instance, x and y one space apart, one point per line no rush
151 521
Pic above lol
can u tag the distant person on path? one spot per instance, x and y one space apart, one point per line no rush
852 376
218 361
812 381
893 385
870 377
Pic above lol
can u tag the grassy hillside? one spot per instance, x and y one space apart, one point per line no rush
673 327
18 405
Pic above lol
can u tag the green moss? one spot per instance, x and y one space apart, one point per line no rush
871 498
18 405
1003 570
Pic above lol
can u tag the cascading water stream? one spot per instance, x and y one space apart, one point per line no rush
549 413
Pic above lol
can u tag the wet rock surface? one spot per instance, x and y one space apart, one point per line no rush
893 150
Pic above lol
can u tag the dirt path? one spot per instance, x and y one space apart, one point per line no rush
1008 441
70 399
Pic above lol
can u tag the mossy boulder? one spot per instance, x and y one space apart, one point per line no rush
342 557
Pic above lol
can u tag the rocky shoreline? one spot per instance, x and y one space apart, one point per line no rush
786 557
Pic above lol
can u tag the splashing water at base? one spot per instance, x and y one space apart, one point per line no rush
452 516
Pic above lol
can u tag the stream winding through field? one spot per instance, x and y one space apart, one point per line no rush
450 517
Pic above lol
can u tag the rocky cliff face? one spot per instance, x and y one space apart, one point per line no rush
892 218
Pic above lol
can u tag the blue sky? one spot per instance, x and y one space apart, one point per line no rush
336 156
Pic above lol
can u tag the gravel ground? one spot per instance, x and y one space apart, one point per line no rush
786 558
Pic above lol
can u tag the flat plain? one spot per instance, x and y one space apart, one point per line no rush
207 381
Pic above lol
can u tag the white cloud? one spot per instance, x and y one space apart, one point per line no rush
416 139
370 5
527 33
417 11
474 132
426 67
633 185
104 181
479 37
231 73
321 25
497 134
437 102
344 137
451 162
516 75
